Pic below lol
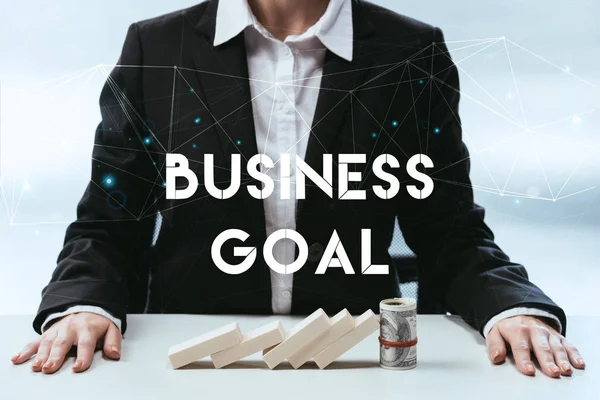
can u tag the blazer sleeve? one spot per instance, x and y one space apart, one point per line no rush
115 217
461 267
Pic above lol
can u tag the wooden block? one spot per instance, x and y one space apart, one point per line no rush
302 334
199 347
364 325
341 324
252 342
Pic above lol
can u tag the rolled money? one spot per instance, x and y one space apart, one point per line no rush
398 324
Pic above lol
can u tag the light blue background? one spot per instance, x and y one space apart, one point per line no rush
49 112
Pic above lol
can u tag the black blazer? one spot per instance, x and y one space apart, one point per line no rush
174 92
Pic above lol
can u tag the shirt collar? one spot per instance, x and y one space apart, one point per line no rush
334 29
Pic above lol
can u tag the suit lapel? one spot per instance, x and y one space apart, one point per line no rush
224 89
340 77
225 92
223 73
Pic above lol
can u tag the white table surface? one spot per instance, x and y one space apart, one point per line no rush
452 364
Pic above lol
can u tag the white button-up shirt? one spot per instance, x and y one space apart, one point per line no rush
285 78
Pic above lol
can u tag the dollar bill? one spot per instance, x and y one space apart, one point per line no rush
398 323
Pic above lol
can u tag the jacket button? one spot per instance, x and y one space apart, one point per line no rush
315 251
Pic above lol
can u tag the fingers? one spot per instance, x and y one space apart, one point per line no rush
86 346
112 343
496 346
573 354
44 350
83 330
560 355
520 345
26 353
61 346
543 352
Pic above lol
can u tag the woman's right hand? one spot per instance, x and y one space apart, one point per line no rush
86 331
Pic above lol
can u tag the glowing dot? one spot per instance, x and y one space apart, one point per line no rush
501 194
577 119
517 201
164 184
194 146
110 129
421 82
98 165
129 139
26 186
197 120
436 130
109 181
192 90
147 140
374 134
395 123
554 200
238 142
153 162
568 69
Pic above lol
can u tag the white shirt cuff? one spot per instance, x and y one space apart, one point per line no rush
78 309
513 312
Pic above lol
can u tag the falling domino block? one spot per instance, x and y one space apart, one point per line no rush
302 334
252 342
366 324
341 324
199 347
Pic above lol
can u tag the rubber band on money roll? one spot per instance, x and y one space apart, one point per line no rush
398 345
